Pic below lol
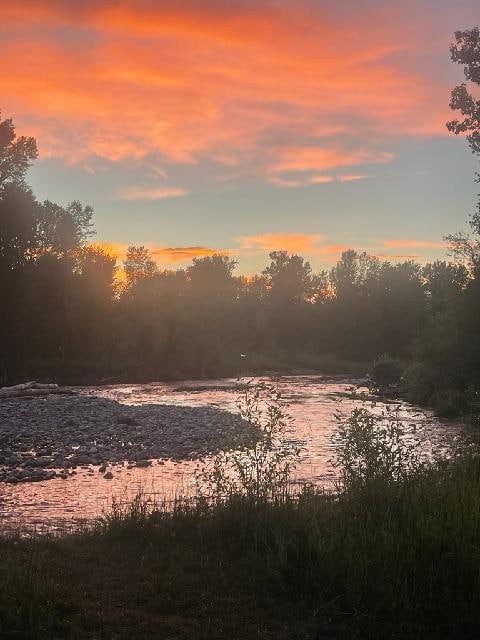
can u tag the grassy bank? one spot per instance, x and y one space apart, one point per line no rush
379 559
86 372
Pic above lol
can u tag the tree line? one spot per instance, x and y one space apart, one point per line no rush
65 316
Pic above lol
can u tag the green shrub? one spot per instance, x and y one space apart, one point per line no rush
420 381
449 403
371 448
386 371
262 471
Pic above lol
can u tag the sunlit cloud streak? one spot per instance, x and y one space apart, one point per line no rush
291 242
418 244
352 178
314 246
269 88
161 254
152 193
384 256
184 254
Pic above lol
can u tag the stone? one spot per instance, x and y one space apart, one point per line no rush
64 432
108 475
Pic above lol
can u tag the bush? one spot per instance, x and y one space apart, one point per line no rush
386 371
449 403
261 472
420 381
369 449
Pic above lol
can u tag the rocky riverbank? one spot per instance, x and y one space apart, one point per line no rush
46 438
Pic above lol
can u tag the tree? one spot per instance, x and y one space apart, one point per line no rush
138 265
443 283
16 154
289 278
466 51
19 213
350 274
62 230
212 276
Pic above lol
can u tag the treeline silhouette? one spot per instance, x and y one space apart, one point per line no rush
65 316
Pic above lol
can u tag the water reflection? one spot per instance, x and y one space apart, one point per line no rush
313 400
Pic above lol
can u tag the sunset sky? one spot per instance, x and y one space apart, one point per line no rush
200 126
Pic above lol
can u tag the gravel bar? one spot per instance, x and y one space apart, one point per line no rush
46 438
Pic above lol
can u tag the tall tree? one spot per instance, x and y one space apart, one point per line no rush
466 51
19 214
212 276
16 153
289 278
138 265
62 230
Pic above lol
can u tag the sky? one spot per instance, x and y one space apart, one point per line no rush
202 126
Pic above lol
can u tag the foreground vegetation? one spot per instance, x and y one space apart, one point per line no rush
392 553
390 560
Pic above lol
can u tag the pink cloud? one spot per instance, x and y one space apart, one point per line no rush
224 82
291 242
152 193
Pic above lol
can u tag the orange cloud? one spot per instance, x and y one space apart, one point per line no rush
322 159
418 244
384 256
313 179
160 254
314 245
231 83
291 242
154 193
351 178
300 182
184 254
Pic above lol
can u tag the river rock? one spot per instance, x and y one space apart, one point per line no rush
65 431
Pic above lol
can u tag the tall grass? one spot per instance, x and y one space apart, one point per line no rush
394 552
29 598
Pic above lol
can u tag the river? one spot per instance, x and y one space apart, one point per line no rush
313 401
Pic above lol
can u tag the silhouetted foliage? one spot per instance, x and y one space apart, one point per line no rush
466 51
446 367
138 265
16 154
67 316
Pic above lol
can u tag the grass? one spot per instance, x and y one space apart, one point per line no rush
379 560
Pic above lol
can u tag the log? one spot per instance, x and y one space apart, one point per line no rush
28 385
32 389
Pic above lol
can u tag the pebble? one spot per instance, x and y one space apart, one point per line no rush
43 437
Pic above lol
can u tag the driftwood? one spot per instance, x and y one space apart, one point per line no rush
29 389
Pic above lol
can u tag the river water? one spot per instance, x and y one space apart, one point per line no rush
313 403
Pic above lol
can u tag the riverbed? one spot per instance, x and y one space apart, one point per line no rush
314 402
